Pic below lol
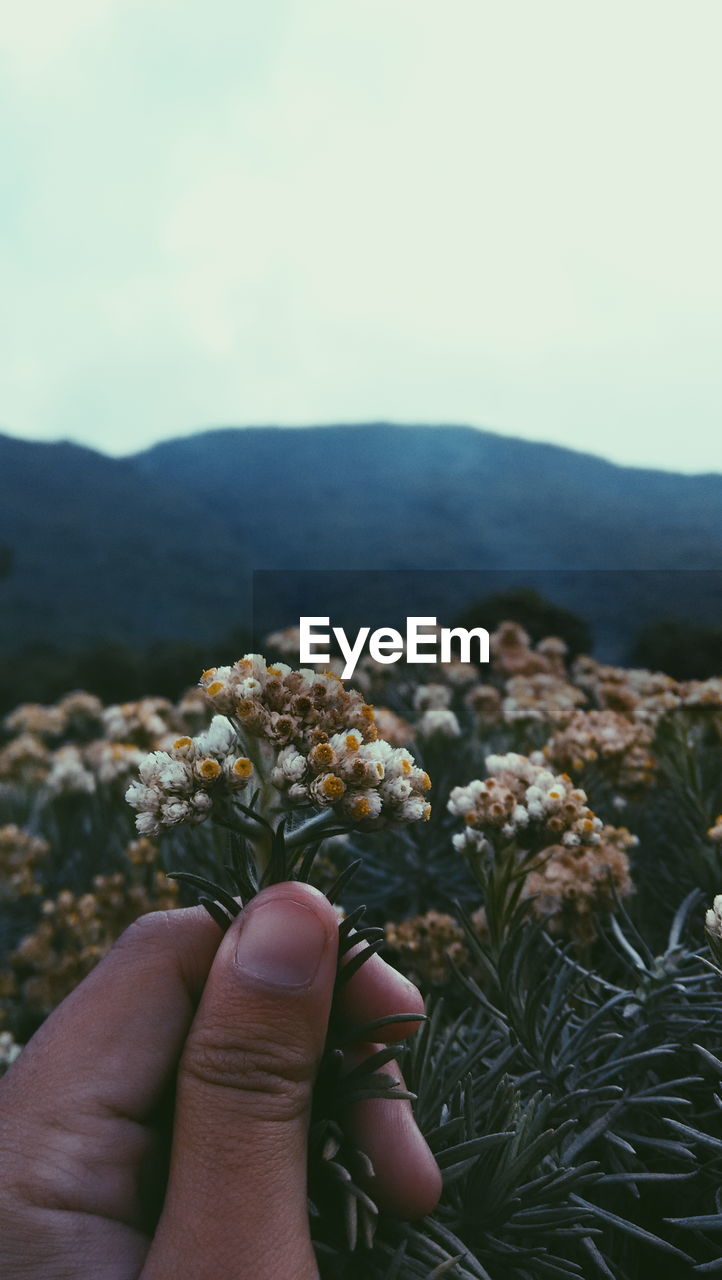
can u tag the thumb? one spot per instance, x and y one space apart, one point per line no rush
236 1202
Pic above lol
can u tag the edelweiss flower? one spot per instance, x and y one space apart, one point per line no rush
299 736
438 722
713 918
522 796
181 785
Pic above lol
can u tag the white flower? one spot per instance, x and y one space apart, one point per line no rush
713 918
146 824
303 732
217 739
9 1050
438 722
432 696
415 808
290 767
395 790
175 812
68 773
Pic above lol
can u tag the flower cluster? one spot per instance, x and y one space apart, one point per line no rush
364 782
522 800
76 930
77 715
544 697
392 727
572 885
484 703
637 694
439 723
33 717
702 699
20 856
427 945
702 693
76 746
622 748
180 785
311 740
24 761
68 774
512 652
282 706
141 722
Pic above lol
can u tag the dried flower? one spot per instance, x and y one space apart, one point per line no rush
426 945
20 855
523 800
571 885
302 737
619 746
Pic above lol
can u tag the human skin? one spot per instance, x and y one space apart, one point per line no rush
239 1023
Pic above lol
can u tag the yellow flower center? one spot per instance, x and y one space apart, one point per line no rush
182 742
209 769
243 767
333 787
214 688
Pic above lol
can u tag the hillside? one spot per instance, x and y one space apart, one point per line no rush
102 549
407 497
160 544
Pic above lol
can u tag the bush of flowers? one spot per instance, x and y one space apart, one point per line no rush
536 843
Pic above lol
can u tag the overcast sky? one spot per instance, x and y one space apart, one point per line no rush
506 214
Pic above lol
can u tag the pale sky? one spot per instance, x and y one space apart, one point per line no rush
505 213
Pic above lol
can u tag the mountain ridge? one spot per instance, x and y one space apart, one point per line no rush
160 544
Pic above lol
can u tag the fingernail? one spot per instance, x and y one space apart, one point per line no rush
282 942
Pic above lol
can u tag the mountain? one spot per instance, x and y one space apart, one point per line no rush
160 544
455 497
101 549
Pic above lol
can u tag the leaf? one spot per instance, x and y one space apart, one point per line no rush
342 880
632 1229
352 966
216 912
214 891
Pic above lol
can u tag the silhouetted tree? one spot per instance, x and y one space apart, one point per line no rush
685 650
538 616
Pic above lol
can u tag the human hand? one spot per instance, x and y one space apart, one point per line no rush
240 1023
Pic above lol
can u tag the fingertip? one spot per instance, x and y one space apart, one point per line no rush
376 991
407 1180
298 891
